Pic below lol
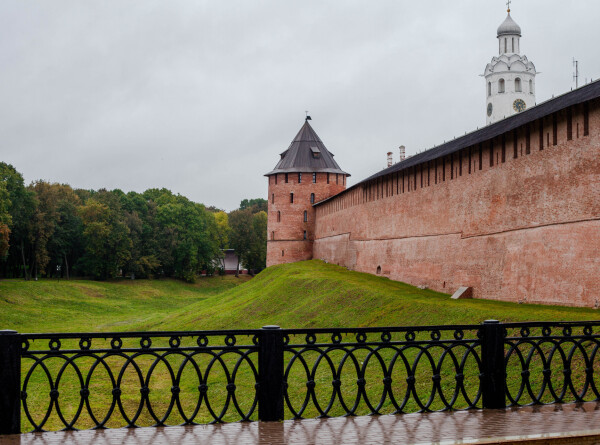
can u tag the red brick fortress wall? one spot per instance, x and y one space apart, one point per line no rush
286 225
516 217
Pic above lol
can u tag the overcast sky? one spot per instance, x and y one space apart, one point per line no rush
200 97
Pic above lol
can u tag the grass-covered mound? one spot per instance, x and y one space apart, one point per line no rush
305 294
316 294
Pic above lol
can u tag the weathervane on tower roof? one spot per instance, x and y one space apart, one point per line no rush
308 118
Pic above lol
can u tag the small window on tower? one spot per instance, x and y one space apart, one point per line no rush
305 234
327 178
518 87
316 153
272 235
501 86
278 216
530 86
489 89
299 178
305 216
314 178
312 198
292 198
272 198
286 178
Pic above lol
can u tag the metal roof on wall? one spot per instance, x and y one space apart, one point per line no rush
584 94
299 155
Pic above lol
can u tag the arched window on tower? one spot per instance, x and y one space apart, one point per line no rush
312 198
513 45
505 45
530 86
278 216
518 87
305 216
489 89
501 86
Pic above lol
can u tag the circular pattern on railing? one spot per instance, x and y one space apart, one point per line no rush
85 343
386 337
174 342
435 335
116 343
409 336
255 340
336 338
459 334
146 342
361 337
286 339
587 329
311 339
24 345
202 341
230 340
54 344
525 332
567 331
546 331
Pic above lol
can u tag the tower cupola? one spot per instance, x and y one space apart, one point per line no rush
509 34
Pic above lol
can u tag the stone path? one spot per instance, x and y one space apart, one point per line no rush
554 424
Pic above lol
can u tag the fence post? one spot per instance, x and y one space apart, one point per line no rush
10 382
270 374
493 382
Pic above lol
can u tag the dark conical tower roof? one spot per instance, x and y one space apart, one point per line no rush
307 153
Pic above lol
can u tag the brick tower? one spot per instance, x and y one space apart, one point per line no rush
305 175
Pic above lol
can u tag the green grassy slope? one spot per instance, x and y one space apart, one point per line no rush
316 294
79 305
306 294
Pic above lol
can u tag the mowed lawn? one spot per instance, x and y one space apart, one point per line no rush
306 294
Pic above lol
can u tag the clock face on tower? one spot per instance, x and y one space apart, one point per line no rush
519 105
489 109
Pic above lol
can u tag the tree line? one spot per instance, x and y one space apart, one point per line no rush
53 230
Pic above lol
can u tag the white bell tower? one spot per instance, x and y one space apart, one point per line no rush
509 77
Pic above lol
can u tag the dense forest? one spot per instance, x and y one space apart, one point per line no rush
52 230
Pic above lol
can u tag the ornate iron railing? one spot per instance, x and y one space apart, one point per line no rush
104 380
376 371
552 362
137 379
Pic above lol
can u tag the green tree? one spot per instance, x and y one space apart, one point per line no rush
106 237
66 245
5 220
254 205
241 235
256 259
21 209
188 236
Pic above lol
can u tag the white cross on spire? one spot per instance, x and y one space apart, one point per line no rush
508 2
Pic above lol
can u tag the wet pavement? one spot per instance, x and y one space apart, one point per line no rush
561 424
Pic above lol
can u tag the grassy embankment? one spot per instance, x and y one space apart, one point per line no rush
308 294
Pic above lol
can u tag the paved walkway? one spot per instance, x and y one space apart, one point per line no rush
557 424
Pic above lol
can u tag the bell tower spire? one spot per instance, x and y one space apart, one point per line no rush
509 77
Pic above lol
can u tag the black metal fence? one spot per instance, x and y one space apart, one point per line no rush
105 380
